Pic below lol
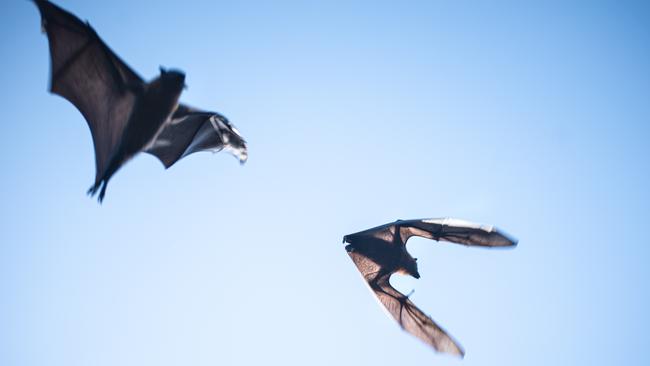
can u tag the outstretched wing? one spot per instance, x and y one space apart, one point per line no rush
190 130
455 231
407 315
88 74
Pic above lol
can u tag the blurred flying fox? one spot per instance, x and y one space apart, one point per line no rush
381 251
127 115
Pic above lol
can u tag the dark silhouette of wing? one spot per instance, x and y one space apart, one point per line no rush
190 130
384 232
455 231
407 315
447 229
88 74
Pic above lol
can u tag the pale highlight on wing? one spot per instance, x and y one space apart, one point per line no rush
449 221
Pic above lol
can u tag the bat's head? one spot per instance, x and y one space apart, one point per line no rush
172 79
410 266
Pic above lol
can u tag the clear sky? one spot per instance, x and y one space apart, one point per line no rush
532 116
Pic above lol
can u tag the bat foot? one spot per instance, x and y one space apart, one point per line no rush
93 190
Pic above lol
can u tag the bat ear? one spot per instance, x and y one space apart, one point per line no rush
162 70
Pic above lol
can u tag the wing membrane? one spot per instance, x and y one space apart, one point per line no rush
413 320
409 317
89 75
455 231
191 130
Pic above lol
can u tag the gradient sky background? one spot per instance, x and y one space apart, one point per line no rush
533 117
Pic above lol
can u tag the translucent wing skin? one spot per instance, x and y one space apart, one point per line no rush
414 321
384 232
191 130
455 231
89 75
409 317
446 229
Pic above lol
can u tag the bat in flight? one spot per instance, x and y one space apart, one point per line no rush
126 114
381 251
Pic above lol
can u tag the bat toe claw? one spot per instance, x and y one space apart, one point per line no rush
92 190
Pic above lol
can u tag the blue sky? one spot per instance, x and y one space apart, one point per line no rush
532 116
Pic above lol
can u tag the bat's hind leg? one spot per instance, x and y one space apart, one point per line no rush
103 182
100 198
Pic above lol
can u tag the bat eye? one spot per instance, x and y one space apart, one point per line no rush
415 259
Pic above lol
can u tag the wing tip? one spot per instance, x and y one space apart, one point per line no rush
505 240
458 351
243 156
450 347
